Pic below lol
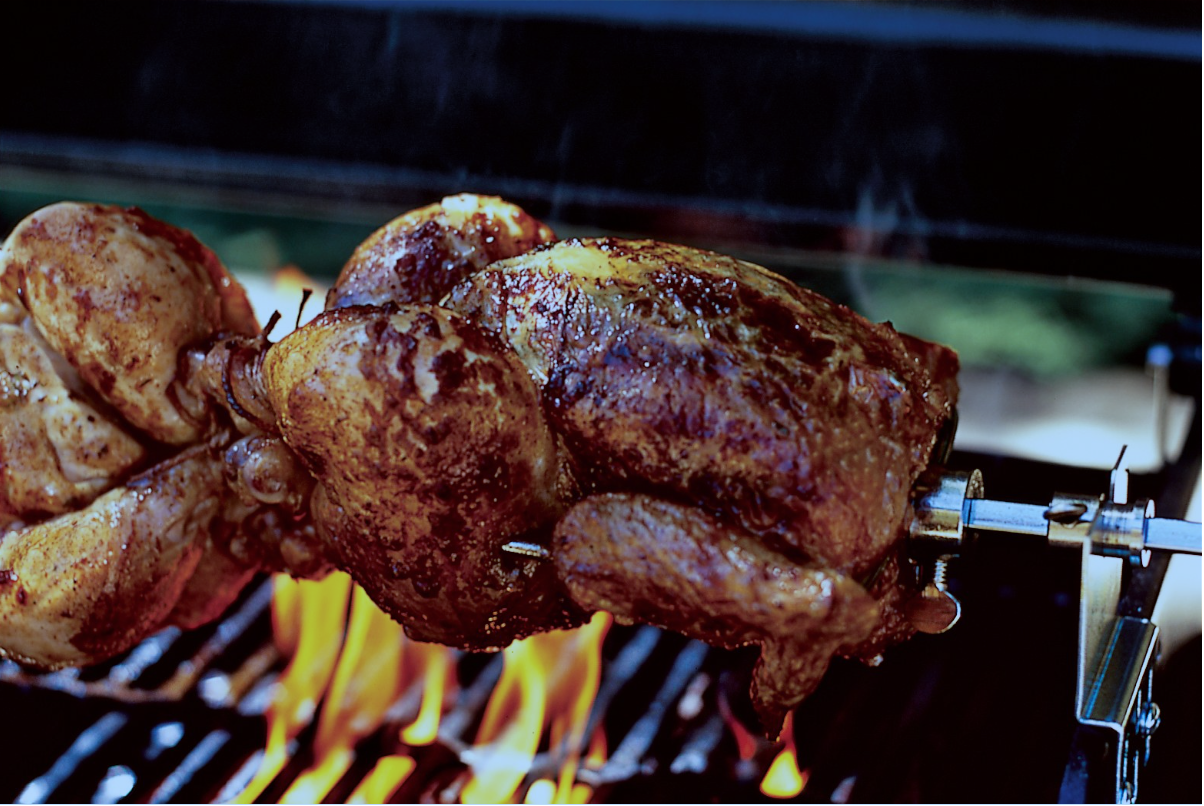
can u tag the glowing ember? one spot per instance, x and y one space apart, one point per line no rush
746 742
548 684
784 779
321 606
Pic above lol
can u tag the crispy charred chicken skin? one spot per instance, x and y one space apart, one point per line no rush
697 443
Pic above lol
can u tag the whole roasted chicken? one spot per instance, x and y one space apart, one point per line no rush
493 432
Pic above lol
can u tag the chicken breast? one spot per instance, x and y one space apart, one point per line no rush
712 381
772 436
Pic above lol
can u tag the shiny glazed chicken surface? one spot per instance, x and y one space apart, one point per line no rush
693 441
714 381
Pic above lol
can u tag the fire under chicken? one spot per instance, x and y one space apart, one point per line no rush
678 437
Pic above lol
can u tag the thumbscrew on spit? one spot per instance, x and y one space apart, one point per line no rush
934 610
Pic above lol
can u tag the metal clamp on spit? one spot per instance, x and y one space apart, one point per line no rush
1115 652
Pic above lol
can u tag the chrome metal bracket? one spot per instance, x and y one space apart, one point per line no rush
1114 684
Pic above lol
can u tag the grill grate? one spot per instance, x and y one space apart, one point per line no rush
180 718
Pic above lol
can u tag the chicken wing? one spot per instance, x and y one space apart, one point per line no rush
419 256
657 562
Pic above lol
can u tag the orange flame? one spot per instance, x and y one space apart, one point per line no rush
784 779
595 757
433 665
358 663
548 684
510 733
322 607
286 613
379 785
355 693
364 686
746 742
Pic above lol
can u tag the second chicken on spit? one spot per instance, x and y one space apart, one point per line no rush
689 440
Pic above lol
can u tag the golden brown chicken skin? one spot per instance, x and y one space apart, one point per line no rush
781 433
83 586
120 295
735 454
419 256
58 449
113 501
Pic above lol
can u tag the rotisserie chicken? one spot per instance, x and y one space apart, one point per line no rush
676 436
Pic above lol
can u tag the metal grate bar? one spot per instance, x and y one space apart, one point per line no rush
87 743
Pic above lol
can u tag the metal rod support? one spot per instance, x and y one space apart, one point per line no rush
1172 535
1004 516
